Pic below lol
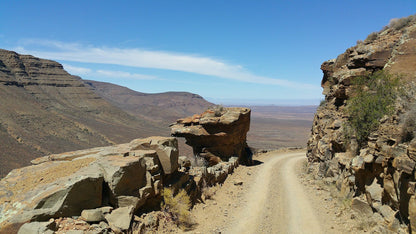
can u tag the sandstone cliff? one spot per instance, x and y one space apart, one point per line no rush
379 172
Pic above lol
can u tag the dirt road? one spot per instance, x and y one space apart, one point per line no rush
275 196
280 205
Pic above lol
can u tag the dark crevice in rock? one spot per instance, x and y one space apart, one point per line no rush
107 196
338 102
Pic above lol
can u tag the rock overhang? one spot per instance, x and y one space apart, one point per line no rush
217 134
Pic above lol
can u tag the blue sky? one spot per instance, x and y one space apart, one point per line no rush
230 52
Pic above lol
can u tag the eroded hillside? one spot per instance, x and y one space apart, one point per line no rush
372 164
164 107
46 110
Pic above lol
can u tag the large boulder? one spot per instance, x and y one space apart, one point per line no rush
166 149
120 218
38 228
123 175
217 134
52 189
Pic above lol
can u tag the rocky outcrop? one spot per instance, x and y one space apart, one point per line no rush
27 70
217 134
381 171
101 184
65 184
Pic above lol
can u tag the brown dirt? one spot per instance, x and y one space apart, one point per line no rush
276 196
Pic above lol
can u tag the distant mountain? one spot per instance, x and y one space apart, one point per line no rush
271 126
44 110
166 107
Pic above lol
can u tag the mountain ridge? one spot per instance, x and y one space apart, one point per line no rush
46 110
166 106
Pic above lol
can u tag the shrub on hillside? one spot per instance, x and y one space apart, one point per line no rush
219 110
207 192
394 24
398 24
373 97
177 206
371 37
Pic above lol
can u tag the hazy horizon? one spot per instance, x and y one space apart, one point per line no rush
264 102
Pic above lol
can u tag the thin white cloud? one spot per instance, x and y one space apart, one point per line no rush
121 74
82 71
151 59
77 70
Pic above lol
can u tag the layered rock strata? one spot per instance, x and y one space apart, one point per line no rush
381 173
216 134
96 183
45 110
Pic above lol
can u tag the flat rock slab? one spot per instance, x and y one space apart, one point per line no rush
95 215
37 228
120 218
361 207
54 196
124 175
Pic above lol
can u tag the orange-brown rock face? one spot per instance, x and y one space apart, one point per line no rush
216 135
382 171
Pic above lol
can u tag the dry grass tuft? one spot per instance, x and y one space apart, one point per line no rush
218 110
208 192
177 206
398 24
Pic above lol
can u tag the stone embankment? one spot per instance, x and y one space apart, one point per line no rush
379 176
101 188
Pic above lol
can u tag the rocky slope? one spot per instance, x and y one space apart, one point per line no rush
159 108
164 107
112 184
45 110
378 173
104 184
